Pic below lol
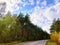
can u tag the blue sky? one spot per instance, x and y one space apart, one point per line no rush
42 12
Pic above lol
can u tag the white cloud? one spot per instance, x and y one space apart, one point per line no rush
41 15
36 16
11 4
31 2
57 1
38 2
44 3
50 14
46 27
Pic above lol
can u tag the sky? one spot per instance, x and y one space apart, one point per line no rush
42 12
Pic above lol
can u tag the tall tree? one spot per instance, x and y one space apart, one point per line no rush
55 26
21 18
7 21
16 27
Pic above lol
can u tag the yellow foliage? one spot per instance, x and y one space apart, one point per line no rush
54 36
59 37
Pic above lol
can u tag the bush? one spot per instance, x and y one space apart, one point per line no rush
55 37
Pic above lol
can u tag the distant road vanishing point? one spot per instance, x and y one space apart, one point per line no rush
41 42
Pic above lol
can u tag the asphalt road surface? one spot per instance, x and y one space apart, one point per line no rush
41 42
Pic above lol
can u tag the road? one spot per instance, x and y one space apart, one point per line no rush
41 42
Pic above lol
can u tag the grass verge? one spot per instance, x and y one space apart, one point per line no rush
49 42
11 43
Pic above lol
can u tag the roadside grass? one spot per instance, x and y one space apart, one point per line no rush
49 42
11 43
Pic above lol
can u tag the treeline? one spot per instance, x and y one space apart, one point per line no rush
13 27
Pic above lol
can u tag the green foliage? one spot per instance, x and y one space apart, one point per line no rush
49 42
54 36
55 26
30 31
19 28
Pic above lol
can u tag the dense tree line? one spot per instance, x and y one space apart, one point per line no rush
13 27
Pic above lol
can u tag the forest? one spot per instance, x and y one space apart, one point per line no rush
19 28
